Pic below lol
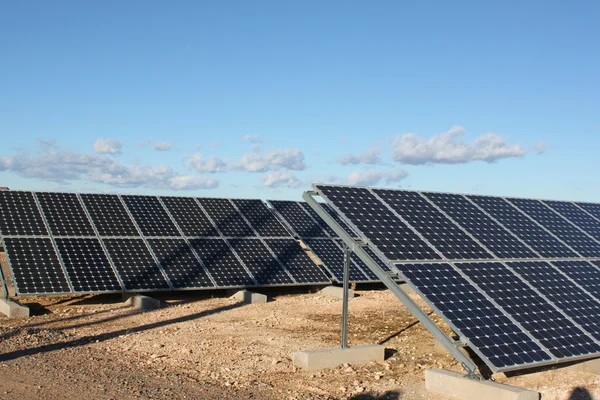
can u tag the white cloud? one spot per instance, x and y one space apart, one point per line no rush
213 164
372 177
162 146
369 156
258 161
107 146
446 148
540 147
253 138
275 179
215 144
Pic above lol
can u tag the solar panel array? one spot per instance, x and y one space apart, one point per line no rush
60 243
517 279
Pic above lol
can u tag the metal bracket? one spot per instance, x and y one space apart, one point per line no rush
4 283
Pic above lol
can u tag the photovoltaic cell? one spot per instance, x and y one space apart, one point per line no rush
293 213
260 262
180 264
483 228
577 216
221 263
228 220
261 218
189 216
553 330
562 229
488 331
35 266
573 301
347 228
583 273
591 208
150 216
332 256
135 265
375 221
64 214
317 218
296 261
442 233
532 234
87 265
109 215
19 214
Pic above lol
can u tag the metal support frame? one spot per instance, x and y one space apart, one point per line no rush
449 344
4 285
347 254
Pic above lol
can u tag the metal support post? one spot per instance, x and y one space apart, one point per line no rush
4 286
345 297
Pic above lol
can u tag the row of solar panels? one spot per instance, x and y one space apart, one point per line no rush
64 243
532 303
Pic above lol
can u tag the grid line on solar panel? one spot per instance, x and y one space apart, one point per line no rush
570 298
433 225
489 332
20 215
190 218
261 263
108 215
180 263
585 274
64 214
358 262
298 219
135 264
296 261
222 263
481 226
591 208
260 218
377 223
336 217
35 266
225 217
150 216
577 216
521 226
313 214
557 333
332 258
559 227
87 266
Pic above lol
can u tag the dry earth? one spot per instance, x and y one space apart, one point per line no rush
199 347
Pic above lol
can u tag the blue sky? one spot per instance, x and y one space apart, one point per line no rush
260 99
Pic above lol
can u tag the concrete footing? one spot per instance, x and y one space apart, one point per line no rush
590 366
336 291
250 297
143 303
13 309
457 385
328 358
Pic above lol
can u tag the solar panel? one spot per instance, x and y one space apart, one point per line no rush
374 220
317 218
64 214
543 321
347 228
260 262
19 214
591 208
261 218
577 216
135 265
496 238
561 228
35 266
442 233
180 264
583 273
227 219
150 216
490 333
295 215
221 262
109 215
528 231
87 266
296 261
332 257
189 216
565 294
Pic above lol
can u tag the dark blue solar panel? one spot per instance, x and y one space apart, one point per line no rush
295 215
317 218
332 257
577 216
150 216
296 261
221 263
260 262
19 214
64 214
189 216
591 208
261 218
109 215
583 273
227 219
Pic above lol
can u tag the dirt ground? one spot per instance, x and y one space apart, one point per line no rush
199 347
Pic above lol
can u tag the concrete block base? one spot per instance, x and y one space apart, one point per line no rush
143 303
590 366
13 309
328 358
250 297
457 385
336 291
407 289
